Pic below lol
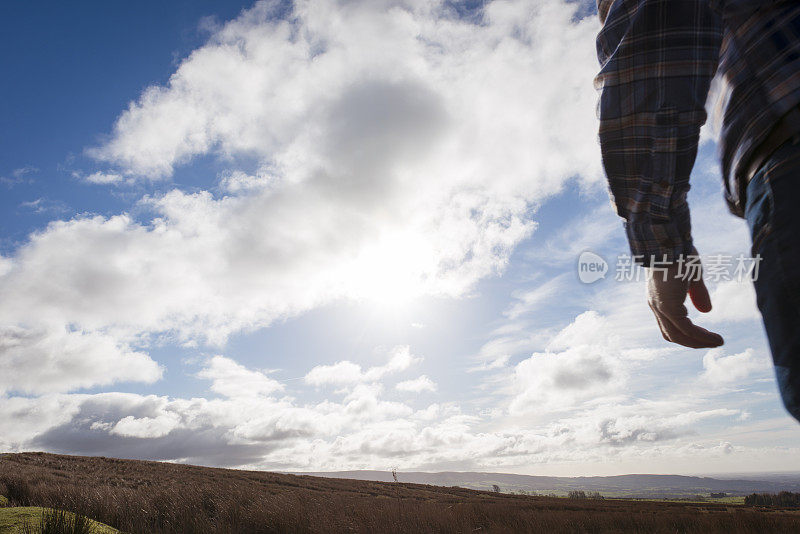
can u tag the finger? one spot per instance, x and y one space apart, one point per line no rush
698 336
699 295
677 328
674 315
697 288
673 334
658 321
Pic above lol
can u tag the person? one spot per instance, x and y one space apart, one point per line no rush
658 59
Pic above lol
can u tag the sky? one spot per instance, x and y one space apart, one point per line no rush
344 234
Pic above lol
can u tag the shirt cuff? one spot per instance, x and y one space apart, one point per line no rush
661 241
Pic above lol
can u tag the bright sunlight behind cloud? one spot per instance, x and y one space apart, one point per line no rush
400 149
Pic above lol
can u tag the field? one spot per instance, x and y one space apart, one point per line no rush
152 497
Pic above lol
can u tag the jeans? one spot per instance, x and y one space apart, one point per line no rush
773 215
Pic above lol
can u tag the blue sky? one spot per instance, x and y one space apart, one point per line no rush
70 70
324 235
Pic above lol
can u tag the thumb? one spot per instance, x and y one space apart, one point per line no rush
699 295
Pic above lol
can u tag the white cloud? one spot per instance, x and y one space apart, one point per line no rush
261 84
24 418
343 372
57 360
364 430
346 372
5 265
733 300
104 178
19 176
400 359
592 231
723 370
233 380
417 385
391 165
626 429
589 359
714 229
553 381
364 404
530 300
588 328
240 182
44 205
145 427
497 363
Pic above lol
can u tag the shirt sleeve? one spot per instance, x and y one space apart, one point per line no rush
657 59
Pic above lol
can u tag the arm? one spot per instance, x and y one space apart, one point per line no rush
657 60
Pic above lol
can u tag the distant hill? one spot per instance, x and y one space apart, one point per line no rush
643 486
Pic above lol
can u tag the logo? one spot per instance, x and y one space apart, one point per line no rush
591 267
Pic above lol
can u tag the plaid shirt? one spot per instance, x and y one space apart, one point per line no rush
657 59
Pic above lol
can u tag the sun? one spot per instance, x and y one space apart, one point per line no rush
392 272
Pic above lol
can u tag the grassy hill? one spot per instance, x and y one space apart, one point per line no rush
151 497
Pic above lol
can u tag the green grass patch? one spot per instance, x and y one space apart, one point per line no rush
730 499
12 519
3 501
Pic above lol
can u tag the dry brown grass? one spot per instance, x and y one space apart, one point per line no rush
152 497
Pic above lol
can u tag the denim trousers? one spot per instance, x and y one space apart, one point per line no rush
773 215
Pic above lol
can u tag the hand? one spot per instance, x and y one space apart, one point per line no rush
666 296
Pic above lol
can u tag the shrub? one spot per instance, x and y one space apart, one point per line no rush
18 490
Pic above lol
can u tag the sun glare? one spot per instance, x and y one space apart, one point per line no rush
391 273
